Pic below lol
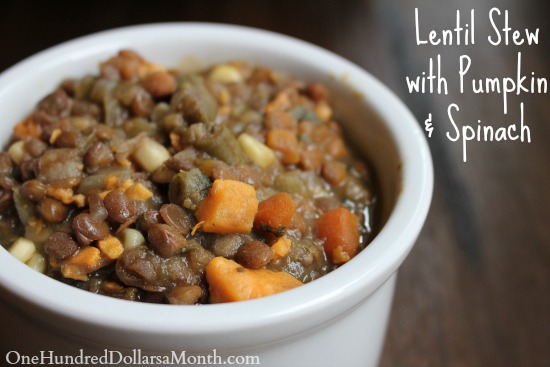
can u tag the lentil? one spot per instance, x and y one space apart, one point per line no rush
143 183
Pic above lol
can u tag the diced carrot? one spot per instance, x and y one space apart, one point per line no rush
298 223
66 196
111 247
111 182
229 207
284 141
79 200
323 110
84 262
134 191
27 127
334 172
339 255
339 229
230 282
317 91
61 194
281 247
280 103
274 213
37 224
111 286
126 184
175 141
336 148
280 120
306 128
320 133
224 97
103 194
312 159
138 192
148 68
124 162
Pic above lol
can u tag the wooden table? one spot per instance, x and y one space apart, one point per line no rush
475 290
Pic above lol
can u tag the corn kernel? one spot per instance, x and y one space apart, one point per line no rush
323 111
225 73
17 152
258 152
23 249
82 123
37 262
132 238
150 155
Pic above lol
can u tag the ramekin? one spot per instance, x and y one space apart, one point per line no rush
337 320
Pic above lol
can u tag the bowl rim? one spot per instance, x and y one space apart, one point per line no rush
354 281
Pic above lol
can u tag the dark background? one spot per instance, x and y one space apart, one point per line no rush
475 290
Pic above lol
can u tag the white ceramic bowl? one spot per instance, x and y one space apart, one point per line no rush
337 320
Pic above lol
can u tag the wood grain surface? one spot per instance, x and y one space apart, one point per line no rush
475 290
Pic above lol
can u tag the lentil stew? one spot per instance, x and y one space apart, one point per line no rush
154 185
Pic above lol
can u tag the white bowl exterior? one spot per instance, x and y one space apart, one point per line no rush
227 326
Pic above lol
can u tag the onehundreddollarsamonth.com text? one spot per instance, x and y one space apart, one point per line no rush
135 358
